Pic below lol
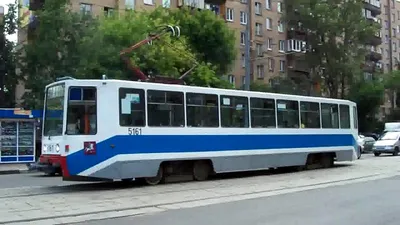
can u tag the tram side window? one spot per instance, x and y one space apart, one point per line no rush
344 116
288 113
165 108
234 111
355 117
262 112
310 115
82 111
132 110
330 116
202 110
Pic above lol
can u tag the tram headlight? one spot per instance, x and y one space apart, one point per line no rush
57 148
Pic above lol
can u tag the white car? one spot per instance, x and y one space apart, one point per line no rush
387 143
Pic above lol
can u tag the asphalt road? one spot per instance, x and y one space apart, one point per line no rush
368 203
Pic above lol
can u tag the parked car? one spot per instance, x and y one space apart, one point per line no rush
387 143
375 136
365 143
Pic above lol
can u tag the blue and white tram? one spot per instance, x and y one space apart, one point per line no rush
114 129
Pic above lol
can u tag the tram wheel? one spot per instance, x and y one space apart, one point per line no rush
159 178
201 170
327 161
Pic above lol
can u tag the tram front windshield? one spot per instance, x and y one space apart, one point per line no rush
54 110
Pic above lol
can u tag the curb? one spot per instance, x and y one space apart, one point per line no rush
30 169
8 172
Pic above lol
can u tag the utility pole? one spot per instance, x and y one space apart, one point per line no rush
247 47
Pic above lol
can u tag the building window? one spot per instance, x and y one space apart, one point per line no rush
229 14
108 11
268 4
271 64
259 49
148 2
269 43
279 7
281 46
367 76
296 46
234 111
165 108
166 3
86 8
288 113
132 110
258 29
260 71
330 115
243 1
243 17
243 80
243 60
242 38
130 4
344 116
258 8
268 23
282 65
394 47
202 110
231 79
394 32
262 113
281 26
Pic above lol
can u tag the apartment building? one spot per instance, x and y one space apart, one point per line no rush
384 55
276 48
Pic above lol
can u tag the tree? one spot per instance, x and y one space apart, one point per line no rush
336 35
55 49
86 47
8 77
369 96
208 35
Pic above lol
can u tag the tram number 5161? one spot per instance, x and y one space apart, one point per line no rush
134 131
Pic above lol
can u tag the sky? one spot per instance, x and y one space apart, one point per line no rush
4 3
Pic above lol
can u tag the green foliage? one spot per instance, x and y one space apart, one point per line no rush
55 50
368 96
8 77
209 36
69 44
337 32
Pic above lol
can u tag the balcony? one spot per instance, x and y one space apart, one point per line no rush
373 6
296 32
374 55
36 4
375 39
298 66
201 4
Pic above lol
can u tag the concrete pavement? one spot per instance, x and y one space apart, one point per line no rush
367 203
84 202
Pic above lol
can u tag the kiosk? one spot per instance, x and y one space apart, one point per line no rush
18 135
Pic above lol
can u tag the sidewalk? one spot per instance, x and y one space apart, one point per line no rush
14 168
